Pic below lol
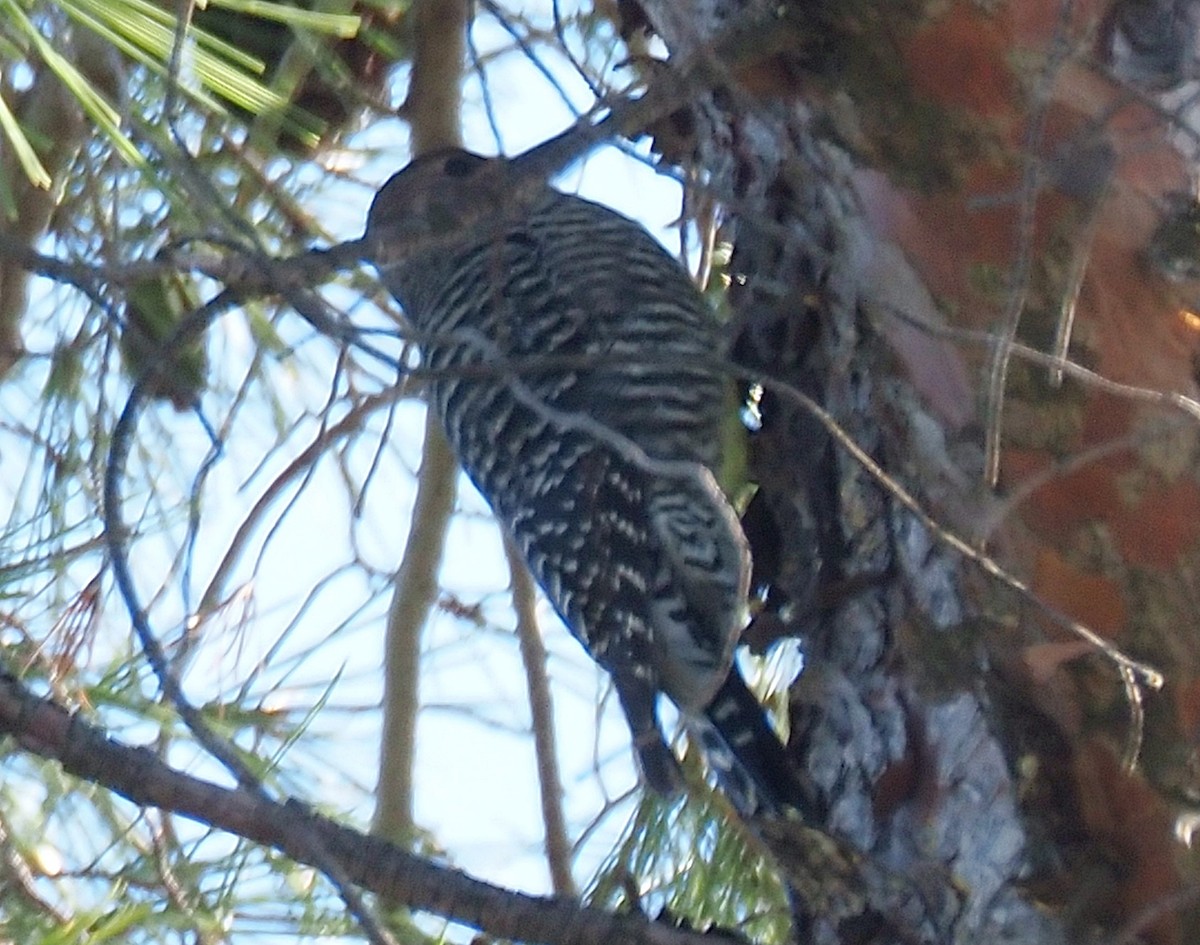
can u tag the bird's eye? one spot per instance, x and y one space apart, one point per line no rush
461 165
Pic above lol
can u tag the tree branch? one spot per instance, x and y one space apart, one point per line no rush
541 711
45 728
433 110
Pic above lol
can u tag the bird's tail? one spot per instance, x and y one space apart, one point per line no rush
754 769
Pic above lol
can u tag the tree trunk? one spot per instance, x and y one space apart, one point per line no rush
900 179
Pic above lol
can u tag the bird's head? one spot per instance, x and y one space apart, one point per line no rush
439 196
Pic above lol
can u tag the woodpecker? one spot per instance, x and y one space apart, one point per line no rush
570 360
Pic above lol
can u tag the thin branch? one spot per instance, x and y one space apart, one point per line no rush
985 562
117 533
351 423
1146 395
415 590
1076 272
530 54
433 110
541 711
1019 288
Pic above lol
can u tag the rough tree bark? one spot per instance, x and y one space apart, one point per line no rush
969 743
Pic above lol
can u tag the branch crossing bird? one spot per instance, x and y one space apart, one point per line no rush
570 360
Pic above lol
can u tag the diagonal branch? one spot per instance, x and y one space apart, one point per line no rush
45 728
541 711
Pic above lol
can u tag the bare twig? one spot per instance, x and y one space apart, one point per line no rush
1019 280
1077 270
541 711
116 534
212 598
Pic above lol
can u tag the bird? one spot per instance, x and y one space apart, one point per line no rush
570 360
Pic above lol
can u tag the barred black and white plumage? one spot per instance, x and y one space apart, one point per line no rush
570 360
